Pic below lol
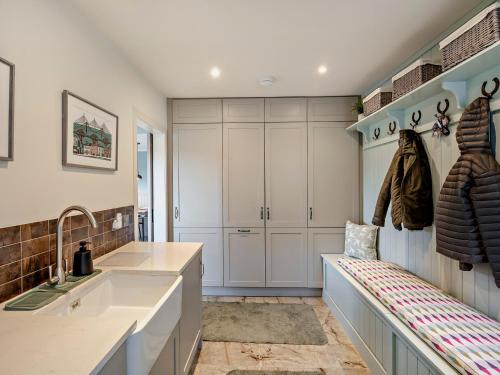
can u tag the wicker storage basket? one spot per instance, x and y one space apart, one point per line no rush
480 32
413 76
376 100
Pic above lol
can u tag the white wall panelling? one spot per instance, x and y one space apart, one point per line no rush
286 257
197 170
322 241
286 109
243 174
243 110
197 111
333 186
212 255
416 250
336 108
244 257
286 175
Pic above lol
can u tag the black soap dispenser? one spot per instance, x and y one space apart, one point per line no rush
82 261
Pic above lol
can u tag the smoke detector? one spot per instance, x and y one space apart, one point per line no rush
267 81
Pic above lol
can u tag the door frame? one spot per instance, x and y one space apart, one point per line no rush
159 171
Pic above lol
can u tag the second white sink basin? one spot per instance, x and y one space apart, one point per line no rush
154 300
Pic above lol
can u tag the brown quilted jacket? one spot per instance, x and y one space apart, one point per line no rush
468 209
408 184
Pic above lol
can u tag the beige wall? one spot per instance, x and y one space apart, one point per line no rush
54 48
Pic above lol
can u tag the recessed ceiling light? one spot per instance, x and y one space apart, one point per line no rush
322 69
215 72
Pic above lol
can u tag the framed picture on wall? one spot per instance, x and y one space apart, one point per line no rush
90 134
6 110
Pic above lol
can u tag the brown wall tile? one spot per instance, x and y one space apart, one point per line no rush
10 272
10 290
36 262
10 235
36 246
79 234
35 279
9 254
34 230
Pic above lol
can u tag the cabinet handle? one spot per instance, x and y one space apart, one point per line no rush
176 213
310 213
262 213
202 270
243 230
268 215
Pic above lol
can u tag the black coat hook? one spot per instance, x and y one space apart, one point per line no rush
392 128
446 107
417 119
487 94
376 133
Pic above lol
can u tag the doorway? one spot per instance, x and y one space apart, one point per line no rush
145 183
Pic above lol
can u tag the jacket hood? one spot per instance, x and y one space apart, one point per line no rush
473 132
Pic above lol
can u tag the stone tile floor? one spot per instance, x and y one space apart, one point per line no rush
338 357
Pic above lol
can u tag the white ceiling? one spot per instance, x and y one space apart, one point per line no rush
175 43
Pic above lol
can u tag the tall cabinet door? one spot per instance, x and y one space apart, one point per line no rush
197 190
286 174
212 254
244 257
243 187
286 257
333 174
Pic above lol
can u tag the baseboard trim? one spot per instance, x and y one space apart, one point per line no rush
262 292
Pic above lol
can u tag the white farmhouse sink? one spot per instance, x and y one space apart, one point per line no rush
154 300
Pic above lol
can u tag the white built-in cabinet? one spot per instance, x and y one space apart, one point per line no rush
212 254
244 257
266 184
333 181
243 174
286 174
286 257
243 110
197 175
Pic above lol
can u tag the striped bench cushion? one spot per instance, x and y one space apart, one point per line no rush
466 338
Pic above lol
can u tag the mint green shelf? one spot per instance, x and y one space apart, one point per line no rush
453 80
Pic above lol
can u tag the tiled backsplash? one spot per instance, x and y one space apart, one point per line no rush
27 250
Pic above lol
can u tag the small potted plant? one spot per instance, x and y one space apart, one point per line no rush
358 108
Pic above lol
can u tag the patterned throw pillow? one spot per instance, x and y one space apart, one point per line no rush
361 241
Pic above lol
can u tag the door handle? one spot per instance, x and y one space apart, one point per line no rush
262 213
176 213
310 213
268 215
243 230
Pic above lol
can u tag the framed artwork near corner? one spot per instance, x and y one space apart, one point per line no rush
6 110
90 134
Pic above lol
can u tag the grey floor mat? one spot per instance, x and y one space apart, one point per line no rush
262 323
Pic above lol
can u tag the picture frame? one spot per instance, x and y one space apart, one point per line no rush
7 77
90 134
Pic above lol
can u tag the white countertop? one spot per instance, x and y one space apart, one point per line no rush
79 345
162 256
